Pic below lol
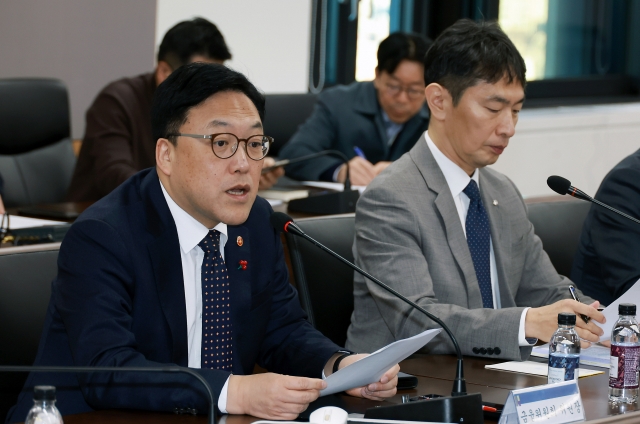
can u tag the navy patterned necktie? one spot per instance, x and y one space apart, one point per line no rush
217 334
479 241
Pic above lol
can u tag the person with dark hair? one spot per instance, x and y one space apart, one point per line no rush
118 141
372 123
180 266
451 234
606 264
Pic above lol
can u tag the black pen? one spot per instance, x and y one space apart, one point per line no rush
572 290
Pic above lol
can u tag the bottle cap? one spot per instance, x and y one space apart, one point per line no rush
565 318
626 309
44 393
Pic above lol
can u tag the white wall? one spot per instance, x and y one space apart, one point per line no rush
580 143
269 40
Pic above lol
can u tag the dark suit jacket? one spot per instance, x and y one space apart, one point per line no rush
118 300
117 141
345 117
607 262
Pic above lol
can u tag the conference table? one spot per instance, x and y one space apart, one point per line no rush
435 375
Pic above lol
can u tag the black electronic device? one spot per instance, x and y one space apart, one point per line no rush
459 407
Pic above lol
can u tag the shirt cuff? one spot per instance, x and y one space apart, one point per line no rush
222 399
522 340
336 172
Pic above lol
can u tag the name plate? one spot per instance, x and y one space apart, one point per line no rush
551 403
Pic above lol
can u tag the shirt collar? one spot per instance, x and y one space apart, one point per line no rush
190 231
457 179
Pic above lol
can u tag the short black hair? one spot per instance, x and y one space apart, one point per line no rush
190 85
195 37
469 52
401 46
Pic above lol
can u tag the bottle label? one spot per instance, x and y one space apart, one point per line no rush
623 373
563 368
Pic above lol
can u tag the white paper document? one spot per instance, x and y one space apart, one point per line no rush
331 186
370 369
533 368
19 222
611 312
596 355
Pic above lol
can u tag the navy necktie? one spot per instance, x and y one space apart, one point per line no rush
217 334
479 241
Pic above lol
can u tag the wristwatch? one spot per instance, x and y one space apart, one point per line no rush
344 353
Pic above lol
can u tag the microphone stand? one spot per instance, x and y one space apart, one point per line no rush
460 407
170 369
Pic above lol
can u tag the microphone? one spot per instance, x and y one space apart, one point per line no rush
325 203
283 222
169 369
563 186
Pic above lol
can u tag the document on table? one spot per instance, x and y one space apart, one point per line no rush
533 368
331 186
611 311
596 355
370 369
19 222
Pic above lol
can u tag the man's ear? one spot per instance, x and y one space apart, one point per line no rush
438 99
165 156
163 70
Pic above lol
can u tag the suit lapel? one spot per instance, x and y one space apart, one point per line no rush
164 252
446 207
500 234
238 248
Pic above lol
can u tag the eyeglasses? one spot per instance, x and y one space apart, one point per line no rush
395 89
225 145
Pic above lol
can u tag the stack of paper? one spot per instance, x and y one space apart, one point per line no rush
596 355
533 368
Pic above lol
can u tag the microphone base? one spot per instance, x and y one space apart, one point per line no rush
465 409
326 204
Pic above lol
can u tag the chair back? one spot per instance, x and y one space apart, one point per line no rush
558 222
284 113
325 284
36 154
26 273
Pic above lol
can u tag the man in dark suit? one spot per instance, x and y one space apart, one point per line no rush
372 123
135 284
607 262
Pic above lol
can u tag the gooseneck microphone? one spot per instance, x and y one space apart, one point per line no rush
563 186
170 369
283 222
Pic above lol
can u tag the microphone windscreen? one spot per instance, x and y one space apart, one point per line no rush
279 219
558 184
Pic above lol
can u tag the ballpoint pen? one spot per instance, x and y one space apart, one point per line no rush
359 152
572 290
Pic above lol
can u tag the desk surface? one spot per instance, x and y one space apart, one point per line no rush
435 375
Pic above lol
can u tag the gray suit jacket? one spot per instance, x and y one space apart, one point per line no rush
409 235
344 117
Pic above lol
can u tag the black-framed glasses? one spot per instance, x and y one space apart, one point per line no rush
225 145
394 89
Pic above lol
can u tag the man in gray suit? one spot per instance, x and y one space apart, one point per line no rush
452 235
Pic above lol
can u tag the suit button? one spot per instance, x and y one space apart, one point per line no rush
490 350
483 351
475 350
497 351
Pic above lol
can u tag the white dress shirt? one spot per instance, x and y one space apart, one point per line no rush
190 233
457 180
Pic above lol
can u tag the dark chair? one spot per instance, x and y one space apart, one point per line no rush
283 115
325 285
36 154
26 273
558 222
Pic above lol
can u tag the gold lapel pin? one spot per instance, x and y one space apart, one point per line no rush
495 203
241 242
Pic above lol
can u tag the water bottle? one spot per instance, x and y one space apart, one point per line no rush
625 348
564 350
44 409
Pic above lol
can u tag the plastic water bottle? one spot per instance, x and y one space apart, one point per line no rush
564 350
625 348
44 409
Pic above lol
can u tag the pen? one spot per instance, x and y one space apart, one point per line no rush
489 408
359 152
572 290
